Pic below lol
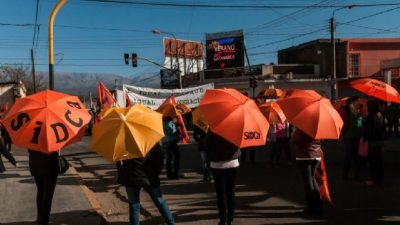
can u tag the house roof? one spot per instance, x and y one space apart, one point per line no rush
352 40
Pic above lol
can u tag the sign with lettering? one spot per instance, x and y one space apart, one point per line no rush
153 98
225 50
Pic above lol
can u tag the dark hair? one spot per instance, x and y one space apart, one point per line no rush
352 99
373 107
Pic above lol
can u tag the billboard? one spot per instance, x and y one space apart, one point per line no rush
225 50
183 54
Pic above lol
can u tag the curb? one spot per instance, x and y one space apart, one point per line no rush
90 196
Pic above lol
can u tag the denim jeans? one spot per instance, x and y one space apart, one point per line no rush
155 194
308 169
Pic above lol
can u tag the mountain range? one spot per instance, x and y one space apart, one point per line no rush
82 83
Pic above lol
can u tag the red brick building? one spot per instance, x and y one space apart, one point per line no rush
354 57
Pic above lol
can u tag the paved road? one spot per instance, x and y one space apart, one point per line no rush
264 195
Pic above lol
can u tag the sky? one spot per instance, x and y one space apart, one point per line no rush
91 36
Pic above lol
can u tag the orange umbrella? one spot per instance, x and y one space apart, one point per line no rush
234 117
171 108
377 89
311 113
270 93
272 112
46 121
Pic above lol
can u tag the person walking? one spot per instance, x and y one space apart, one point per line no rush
351 134
308 158
6 138
281 143
224 164
199 135
139 173
44 169
373 134
170 144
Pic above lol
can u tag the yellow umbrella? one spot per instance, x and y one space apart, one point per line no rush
126 133
199 120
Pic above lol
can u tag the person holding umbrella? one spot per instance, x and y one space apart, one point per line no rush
235 122
308 157
224 164
44 169
138 173
373 133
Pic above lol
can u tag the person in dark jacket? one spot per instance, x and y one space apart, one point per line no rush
351 134
308 157
224 164
8 155
170 144
139 173
374 134
44 168
199 135
6 138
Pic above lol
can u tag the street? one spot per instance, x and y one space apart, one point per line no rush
89 193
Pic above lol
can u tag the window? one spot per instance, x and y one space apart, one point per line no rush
354 65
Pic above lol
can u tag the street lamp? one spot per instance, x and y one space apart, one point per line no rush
51 47
158 32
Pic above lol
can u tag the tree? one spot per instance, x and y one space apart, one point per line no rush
15 73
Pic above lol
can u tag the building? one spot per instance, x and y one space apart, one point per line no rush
9 92
355 58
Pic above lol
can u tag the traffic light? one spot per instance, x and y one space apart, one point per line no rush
126 58
134 60
253 82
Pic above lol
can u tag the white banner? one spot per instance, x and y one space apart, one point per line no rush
153 98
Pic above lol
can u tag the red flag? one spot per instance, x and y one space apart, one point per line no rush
171 99
104 96
322 180
4 108
128 100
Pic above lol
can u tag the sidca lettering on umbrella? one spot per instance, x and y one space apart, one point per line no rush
22 118
251 135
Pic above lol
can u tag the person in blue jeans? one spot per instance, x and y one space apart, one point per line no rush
139 173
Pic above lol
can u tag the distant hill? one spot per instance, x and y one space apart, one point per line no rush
83 83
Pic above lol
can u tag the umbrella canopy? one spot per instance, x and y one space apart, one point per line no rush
377 89
126 133
46 121
234 117
273 112
311 113
199 120
270 93
170 109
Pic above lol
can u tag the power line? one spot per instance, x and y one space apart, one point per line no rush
36 21
254 7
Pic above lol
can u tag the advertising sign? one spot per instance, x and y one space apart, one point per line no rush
183 54
225 50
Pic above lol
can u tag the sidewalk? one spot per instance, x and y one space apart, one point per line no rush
18 197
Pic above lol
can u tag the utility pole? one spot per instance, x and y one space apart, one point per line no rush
333 42
33 71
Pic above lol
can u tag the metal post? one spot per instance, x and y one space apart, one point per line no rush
33 71
51 47
333 41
